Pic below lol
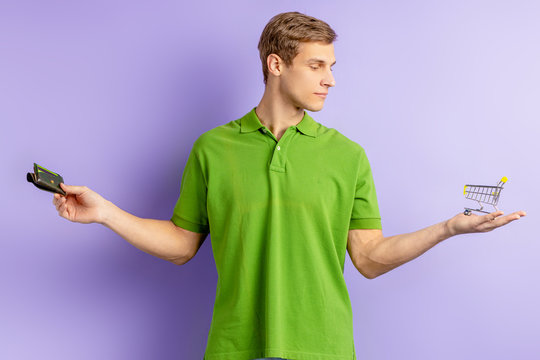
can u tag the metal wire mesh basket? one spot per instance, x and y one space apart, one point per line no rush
483 194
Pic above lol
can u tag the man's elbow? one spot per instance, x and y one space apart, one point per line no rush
369 275
188 244
375 270
181 260
371 269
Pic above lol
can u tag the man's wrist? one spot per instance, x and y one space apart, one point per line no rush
450 226
105 213
448 229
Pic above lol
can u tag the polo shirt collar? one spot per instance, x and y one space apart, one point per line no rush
250 122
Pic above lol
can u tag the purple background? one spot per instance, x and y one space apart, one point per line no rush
112 94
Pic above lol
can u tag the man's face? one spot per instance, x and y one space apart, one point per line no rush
309 76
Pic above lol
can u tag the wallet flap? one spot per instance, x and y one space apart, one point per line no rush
46 180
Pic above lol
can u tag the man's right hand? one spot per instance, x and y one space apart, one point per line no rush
80 204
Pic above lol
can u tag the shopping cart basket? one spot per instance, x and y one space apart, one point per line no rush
483 194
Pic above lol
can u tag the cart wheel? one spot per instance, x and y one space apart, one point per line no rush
467 212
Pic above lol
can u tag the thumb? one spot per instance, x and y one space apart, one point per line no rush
73 189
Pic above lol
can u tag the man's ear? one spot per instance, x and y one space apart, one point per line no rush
275 64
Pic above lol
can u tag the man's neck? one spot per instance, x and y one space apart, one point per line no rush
277 114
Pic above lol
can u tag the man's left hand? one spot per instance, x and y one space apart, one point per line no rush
462 224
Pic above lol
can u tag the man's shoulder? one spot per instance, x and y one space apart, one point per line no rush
224 130
217 135
337 139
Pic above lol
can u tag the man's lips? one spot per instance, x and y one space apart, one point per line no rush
321 94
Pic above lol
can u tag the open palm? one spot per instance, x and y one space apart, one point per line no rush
461 223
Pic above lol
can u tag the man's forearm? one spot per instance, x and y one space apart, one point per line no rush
155 237
396 250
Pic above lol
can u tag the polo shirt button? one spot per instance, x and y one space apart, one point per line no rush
278 147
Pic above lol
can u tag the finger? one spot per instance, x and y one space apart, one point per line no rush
507 219
492 216
56 198
58 202
61 204
516 215
73 189
62 210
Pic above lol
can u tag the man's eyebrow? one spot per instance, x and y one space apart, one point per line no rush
319 61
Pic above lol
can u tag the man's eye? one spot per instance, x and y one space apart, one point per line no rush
314 67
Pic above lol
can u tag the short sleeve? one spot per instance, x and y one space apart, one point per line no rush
190 210
365 213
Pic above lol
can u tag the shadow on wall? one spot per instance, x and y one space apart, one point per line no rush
199 95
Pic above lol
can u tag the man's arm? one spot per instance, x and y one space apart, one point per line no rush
373 254
160 238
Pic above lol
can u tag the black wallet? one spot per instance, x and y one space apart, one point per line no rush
46 179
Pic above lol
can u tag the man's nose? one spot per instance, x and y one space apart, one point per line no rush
329 79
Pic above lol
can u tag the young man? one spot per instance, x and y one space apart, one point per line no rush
284 197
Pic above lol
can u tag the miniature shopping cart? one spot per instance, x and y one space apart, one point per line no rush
483 194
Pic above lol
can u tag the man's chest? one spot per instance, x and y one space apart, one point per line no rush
296 176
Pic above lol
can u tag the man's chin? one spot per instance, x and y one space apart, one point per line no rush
314 108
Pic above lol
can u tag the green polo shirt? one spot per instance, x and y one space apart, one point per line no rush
278 214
